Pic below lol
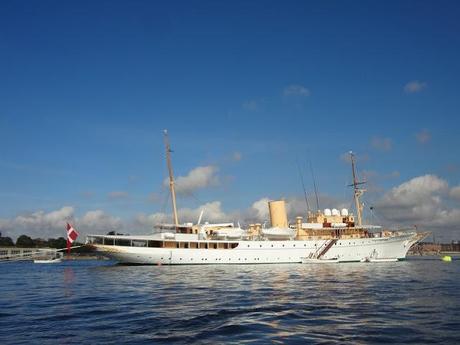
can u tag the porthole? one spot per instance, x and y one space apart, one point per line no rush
294 245
260 246
272 245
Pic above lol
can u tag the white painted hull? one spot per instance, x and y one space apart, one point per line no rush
265 252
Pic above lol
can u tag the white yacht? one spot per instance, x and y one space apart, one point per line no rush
329 236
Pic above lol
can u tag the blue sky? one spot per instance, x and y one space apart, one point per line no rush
247 87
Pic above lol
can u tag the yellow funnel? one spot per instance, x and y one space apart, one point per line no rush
278 216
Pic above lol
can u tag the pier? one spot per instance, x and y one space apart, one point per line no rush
20 254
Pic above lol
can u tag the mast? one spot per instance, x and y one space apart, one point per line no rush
314 186
303 187
357 191
171 177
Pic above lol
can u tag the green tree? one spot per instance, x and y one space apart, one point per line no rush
40 243
57 243
24 241
6 242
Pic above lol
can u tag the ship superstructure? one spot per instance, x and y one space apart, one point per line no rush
325 236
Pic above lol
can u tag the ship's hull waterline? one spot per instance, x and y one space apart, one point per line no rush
266 252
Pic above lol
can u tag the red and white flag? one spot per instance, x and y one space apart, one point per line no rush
72 235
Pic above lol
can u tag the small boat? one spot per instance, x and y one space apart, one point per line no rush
47 261
379 260
320 261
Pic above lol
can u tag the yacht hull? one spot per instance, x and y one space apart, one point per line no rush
268 252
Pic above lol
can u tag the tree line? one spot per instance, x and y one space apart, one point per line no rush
25 241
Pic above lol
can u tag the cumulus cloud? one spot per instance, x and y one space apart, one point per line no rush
381 144
39 224
296 90
98 221
260 209
197 178
415 86
117 195
423 136
422 201
455 192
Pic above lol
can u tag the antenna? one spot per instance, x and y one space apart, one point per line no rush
171 177
314 185
303 186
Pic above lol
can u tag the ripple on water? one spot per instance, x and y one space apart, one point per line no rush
416 301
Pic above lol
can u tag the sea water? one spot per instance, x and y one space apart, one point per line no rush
90 302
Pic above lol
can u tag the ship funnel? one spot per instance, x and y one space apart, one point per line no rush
278 216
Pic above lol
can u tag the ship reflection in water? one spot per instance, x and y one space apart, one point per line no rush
413 301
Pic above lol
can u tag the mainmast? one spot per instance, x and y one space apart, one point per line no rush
171 177
357 191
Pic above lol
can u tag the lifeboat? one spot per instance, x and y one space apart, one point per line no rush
279 233
229 233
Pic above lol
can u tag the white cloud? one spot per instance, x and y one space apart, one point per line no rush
423 136
39 224
197 178
117 195
455 192
381 144
260 209
422 201
415 86
98 221
296 90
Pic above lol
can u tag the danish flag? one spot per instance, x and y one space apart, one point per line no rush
72 235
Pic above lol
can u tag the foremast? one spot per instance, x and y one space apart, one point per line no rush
171 177
357 192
